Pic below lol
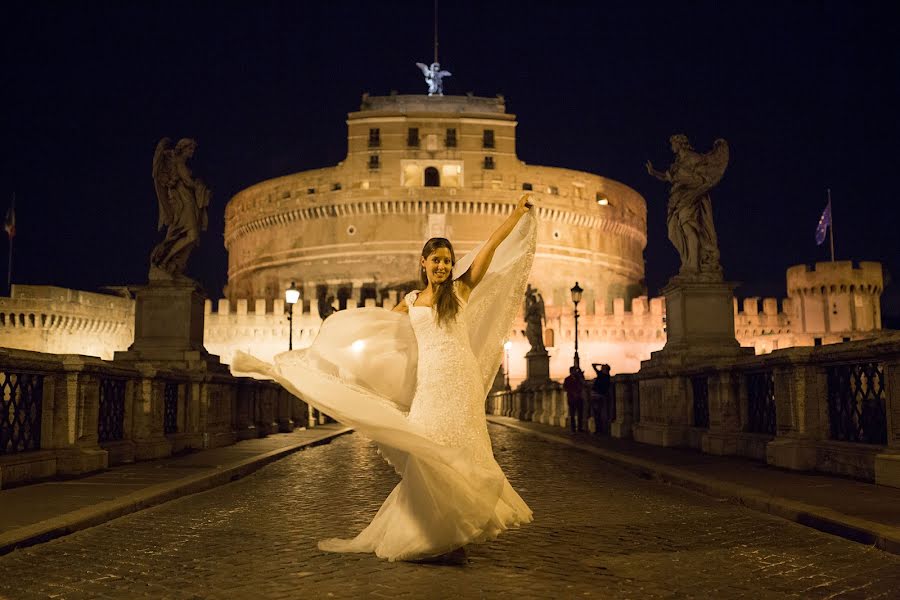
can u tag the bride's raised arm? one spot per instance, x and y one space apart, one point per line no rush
482 261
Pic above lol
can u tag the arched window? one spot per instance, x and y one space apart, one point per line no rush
432 177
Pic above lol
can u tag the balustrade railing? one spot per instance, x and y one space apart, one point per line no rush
856 403
21 396
700 388
111 416
170 408
761 402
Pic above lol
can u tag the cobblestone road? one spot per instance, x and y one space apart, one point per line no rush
598 532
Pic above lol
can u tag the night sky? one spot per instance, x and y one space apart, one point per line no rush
806 93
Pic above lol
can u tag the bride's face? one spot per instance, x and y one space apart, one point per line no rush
438 265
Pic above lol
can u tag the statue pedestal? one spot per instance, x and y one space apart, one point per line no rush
537 372
699 318
168 327
700 331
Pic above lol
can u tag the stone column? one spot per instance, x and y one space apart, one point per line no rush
887 464
245 425
148 404
801 412
724 418
75 408
625 387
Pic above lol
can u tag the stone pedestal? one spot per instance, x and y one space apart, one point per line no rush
537 363
699 317
168 327
699 330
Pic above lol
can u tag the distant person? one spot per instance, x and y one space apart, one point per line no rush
574 386
599 397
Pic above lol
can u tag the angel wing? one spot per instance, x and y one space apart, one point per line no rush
162 176
444 74
426 71
714 163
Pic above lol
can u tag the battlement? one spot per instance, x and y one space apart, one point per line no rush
833 277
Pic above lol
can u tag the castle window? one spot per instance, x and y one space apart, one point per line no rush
487 139
553 190
310 190
450 140
489 162
527 187
374 162
432 177
335 187
374 137
412 137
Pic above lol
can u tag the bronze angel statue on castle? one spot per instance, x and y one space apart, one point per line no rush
182 207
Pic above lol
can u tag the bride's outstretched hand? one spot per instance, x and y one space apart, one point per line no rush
526 201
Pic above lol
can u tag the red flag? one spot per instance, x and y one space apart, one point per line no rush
10 224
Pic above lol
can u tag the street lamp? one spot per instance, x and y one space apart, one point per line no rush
506 346
576 298
291 295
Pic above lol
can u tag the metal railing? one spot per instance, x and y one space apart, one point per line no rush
761 402
21 396
856 403
700 387
111 416
170 408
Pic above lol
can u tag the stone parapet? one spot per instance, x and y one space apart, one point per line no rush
78 414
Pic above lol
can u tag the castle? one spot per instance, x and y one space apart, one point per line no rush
426 166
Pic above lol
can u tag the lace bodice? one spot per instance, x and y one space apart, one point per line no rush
449 398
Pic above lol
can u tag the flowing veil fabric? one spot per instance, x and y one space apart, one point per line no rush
361 370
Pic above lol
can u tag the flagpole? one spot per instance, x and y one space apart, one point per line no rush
831 225
11 235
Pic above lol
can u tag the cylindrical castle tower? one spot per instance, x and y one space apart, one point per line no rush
836 298
418 167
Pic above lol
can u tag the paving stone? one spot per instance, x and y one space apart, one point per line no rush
599 532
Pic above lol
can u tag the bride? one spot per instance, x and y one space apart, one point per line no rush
414 380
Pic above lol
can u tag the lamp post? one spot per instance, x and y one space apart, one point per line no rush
291 295
506 346
576 298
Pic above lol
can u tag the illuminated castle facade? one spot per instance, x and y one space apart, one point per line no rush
418 167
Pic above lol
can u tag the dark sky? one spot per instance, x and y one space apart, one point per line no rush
806 93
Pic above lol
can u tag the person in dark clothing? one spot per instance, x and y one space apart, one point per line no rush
574 386
599 404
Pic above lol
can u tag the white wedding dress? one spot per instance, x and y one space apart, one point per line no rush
418 390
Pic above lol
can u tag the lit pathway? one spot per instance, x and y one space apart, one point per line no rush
599 532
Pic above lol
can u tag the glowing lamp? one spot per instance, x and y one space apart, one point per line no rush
576 293
292 294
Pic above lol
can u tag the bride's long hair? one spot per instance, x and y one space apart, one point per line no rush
445 301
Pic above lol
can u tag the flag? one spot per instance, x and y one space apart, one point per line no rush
824 224
10 224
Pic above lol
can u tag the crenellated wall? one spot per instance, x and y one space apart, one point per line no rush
57 320
63 321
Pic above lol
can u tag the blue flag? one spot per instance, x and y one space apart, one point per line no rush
824 224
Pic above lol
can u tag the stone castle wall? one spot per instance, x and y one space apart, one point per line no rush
57 320
355 230
63 321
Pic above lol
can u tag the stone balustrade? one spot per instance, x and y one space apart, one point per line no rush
833 409
67 414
